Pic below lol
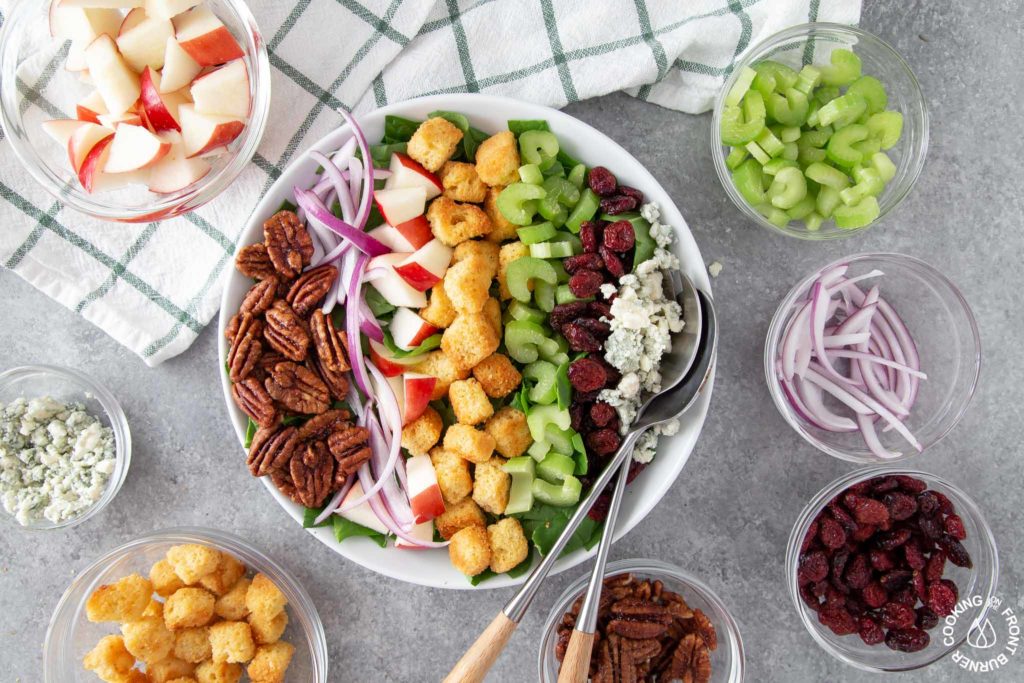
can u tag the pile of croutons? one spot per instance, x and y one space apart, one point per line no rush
468 457
206 621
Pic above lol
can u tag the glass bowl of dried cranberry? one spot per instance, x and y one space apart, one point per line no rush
675 627
889 568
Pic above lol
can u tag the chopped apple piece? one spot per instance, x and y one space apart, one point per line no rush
176 171
201 34
134 148
111 121
205 132
401 205
162 110
90 107
179 68
81 142
82 24
142 40
165 9
223 91
116 82
109 4
61 130
407 172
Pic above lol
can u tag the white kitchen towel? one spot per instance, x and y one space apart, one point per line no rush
154 287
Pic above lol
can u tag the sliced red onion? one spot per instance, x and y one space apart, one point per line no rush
364 149
384 456
792 339
867 430
371 329
335 500
833 341
352 329
876 358
382 514
355 173
315 211
812 398
819 316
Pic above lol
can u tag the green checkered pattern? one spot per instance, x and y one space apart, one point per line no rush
154 287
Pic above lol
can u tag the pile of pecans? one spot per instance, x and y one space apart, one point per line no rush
287 364
644 633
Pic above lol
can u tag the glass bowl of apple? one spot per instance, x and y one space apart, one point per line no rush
133 110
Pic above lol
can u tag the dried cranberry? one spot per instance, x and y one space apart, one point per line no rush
901 506
585 283
580 339
907 639
896 615
930 526
590 237
870 632
955 527
586 397
831 533
918 584
599 309
601 506
811 600
910 484
927 503
905 596
632 192
895 580
838 565
841 515
863 532
821 588
813 567
587 374
595 327
955 551
579 262
576 412
635 468
836 618
926 618
603 441
619 203
893 539
912 553
812 533
936 566
601 414
883 484
945 504
874 595
858 572
855 606
867 510
612 263
834 596
881 560
601 181
566 313
619 236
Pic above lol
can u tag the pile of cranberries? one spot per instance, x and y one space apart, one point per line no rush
873 559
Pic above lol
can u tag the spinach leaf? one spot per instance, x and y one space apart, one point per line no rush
545 523
250 431
444 409
471 140
309 516
520 126
381 154
344 528
291 420
398 129
453 117
428 344
287 206
375 300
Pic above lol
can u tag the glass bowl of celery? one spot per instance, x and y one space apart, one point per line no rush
820 131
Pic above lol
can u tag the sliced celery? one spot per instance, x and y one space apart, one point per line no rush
740 87
802 208
790 134
758 153
812 113
872 90
788 108
842 111
788 188
839 146
774 215
809 155
530 173
844 69
828 176
783 76
749 181
887 126
816 138
883 164
753 106
767 141
521 311
518 202
577 176
548 250
544 294
790 151
776 165
871 179
736 130
533 234
813 221
828 200
538 146
868 147
736 157
808 79
584 210
826 94
764 83
858 215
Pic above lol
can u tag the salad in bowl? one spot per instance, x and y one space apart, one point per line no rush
439 331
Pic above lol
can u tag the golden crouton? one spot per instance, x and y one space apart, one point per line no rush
109 657
231 641
163 578
420 435
454 223
510 431
218 672
440 365
461 182
491 485
148 639
136 676
509 253
193 561
459 516
268 630
434 143
469 443
497 375
270 663
501 228
453 476
183 679
264 598
438 311
192 644
469 402
508 544
488 251
469 339
492 311
231 605
188 607
224 577
497 159
171 668
467 284
124 600
470 550
155 608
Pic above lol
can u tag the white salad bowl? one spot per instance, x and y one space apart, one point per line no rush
489 113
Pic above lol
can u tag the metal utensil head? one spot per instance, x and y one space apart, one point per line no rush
677 362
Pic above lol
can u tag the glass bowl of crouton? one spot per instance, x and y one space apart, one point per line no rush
185 602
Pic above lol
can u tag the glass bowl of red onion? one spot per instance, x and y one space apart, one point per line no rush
873 358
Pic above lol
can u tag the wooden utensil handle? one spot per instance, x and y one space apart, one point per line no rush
480 656
576 663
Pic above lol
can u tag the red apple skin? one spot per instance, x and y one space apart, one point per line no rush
158 117
222 136
90 167
417 395
416 231
426 330
414 165
417 276
427 504
387 366
215 47
86 114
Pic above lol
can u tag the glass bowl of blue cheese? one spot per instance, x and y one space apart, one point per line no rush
64 446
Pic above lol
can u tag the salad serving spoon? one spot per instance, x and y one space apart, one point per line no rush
671 402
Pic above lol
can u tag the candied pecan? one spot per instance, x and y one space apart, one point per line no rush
271 449
319 427
690 661
245 349
312 470
288 244
619 236
350 450
637 630
232 327
601 181
588 261
282 479
285 332
310 289
268 360
254 401
331 345
298 389
336 382
259 298
254 261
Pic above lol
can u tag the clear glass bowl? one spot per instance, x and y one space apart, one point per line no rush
813 43
27 49
67 385
980 581
727 663
945 331
70 635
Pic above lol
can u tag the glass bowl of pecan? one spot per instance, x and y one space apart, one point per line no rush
665 623
891 568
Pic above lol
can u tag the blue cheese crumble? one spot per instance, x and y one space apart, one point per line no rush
55 459
642 324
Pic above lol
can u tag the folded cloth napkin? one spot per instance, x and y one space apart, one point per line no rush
154 287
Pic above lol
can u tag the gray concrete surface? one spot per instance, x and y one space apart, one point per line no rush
728 517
